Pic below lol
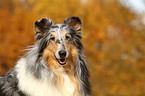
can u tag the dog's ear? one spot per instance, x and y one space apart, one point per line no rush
41 27
74 23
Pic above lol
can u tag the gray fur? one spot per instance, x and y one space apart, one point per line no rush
9 85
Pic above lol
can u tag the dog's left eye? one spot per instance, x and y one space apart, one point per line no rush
52 38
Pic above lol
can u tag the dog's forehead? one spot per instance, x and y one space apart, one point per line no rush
58 28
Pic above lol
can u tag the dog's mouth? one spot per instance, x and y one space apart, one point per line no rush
61 61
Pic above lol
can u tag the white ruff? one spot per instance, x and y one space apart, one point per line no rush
35 87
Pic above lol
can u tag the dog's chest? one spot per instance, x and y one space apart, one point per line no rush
37 87
41 88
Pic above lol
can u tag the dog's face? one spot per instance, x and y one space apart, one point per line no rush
59 44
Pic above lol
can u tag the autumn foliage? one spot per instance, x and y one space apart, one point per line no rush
114 40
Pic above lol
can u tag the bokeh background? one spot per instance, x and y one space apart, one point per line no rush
114 38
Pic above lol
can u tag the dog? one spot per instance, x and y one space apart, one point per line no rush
53 66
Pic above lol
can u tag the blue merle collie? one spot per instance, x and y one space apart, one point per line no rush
54 66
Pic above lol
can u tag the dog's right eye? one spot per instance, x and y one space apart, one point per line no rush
52 38
67 37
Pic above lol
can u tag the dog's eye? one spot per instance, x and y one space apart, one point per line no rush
67 37
52 38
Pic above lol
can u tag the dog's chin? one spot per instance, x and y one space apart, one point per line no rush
61 61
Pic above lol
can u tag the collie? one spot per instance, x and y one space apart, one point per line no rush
54 66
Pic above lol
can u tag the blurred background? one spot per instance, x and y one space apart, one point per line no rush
114 38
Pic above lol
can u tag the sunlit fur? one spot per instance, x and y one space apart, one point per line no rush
43 71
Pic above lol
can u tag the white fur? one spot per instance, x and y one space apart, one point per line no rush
41 87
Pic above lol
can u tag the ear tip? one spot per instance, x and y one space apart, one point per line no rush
37 22
43 21
76 18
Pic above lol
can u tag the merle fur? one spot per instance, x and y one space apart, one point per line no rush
9 83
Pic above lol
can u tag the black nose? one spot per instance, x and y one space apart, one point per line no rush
62 53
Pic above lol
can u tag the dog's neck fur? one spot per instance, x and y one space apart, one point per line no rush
43 83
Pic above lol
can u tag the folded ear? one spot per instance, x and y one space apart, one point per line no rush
74 23
41 27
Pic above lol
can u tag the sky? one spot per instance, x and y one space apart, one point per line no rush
138 6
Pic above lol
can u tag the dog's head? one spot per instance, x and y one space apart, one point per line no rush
59 44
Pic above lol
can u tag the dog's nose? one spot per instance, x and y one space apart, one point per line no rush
62 53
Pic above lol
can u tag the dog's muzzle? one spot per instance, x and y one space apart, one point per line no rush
62 57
